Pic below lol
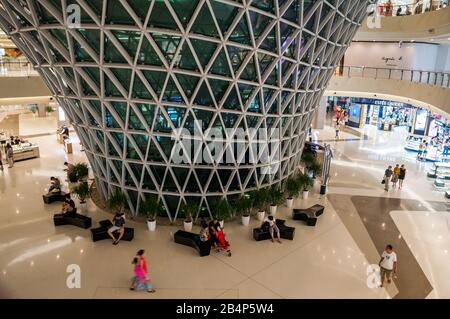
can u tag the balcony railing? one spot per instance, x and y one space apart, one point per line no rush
426 77
14 68
417 7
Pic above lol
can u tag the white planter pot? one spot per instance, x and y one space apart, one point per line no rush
83 208
151 225
273 210
245 220
289 202
221 222
188 226
305 194
260 215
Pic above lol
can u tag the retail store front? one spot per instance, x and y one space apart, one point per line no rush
424 127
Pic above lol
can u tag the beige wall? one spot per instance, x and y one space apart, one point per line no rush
23 90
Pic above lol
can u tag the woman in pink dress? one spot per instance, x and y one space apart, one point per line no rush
141 279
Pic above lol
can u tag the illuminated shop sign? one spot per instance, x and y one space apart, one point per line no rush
389 103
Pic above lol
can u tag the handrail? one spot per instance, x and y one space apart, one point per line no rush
427 77
15 68
419 7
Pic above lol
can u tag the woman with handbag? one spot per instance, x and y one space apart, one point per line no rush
141 279
387 177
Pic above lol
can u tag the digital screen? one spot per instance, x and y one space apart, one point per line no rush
421 120
354 113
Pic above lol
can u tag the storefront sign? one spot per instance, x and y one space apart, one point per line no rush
389 103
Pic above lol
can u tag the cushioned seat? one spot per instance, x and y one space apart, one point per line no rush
193 240
55 197
263 233
101 232
75 220
308 215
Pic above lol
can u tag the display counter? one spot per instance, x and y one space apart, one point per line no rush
68 146
413 142
25 151
440 171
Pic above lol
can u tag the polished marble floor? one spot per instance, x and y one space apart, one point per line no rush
326 261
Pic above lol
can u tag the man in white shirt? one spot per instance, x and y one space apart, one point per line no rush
388 264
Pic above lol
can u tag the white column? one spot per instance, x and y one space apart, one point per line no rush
42 112
318 122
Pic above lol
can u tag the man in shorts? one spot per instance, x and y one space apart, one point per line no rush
388 264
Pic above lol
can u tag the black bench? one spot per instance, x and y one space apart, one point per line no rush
263 233
101 232
308 215
193 240
76 220
55 197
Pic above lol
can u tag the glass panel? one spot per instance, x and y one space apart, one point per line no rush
168 44
161 17
204 23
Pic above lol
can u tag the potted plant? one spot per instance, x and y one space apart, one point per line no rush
292 187
150 207
117 201
222 210
315 168
243 206
306 183
276 198
81 170
72 176
260 199
49 109
189 209
82 192
34 109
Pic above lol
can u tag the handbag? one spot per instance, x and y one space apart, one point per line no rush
383 181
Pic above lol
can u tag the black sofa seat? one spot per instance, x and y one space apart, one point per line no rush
75 220
55 197
193 240
101 232
263 233
308 215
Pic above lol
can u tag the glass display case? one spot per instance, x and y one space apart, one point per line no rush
25 151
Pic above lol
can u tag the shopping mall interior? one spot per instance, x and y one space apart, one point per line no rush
224 149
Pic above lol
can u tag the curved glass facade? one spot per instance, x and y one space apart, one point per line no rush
131 74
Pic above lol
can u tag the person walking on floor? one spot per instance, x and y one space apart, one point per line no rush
141 278
421 149
9 155
337 131
401 176
395 176
387 177
388 264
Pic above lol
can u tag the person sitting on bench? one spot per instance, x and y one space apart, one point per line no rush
204 234
118 225
55 186
273 228
68 208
